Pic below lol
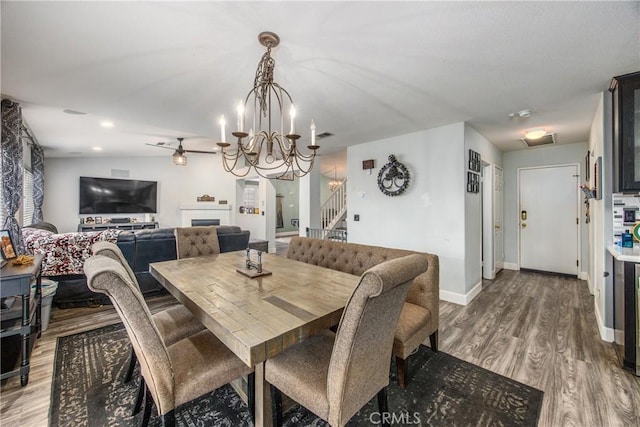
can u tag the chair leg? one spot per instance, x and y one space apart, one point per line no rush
402 366
276 406
140 397
383 406
169 419
132 366
433 338
251 395
148 401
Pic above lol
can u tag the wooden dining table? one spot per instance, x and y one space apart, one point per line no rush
257 318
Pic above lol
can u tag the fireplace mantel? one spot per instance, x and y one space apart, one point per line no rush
205 210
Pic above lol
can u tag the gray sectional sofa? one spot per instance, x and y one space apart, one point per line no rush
140 247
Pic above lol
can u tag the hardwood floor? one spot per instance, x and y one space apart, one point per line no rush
538 329
541 330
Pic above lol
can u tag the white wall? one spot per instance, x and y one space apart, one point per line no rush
309 200
255 223
473 211
531 157
290 192
430 215
600 233
177 185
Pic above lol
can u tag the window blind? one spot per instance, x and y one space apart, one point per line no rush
27 198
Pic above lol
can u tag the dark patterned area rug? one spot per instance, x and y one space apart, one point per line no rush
88 390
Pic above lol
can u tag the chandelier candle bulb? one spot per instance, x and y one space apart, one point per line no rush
313 133
222 122
292 112
240 117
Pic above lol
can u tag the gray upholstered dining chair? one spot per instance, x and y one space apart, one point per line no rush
173 323
174 374
335 375
196 241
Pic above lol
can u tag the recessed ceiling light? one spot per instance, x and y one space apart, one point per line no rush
106 124
97 148
535 133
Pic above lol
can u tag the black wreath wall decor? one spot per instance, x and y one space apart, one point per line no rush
393 177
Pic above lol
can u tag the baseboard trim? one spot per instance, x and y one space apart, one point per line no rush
511 266
585 276
618 337
606 334
287 234
461 299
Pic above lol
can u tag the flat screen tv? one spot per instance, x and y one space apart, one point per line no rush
116 196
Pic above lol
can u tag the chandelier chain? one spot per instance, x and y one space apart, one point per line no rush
264 78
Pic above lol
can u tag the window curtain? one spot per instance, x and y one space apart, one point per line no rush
12 169
37 169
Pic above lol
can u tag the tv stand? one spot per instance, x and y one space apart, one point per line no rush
118 226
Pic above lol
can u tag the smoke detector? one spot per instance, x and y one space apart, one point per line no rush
520 114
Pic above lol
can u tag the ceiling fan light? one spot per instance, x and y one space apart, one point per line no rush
535 134
179 159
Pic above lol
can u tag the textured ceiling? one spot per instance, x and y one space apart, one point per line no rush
362 70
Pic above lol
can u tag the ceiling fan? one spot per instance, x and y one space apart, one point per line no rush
179 157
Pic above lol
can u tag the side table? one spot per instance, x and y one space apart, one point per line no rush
25 318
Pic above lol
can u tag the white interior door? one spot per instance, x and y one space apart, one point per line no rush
548 216
488 270
498 228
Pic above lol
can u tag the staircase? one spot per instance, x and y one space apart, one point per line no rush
332 212
334 209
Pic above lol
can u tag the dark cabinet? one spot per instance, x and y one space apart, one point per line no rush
625 90
119 226
22 319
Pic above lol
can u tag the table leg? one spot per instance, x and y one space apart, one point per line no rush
39 306
24 365
263 399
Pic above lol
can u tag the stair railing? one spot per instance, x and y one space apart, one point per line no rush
334 207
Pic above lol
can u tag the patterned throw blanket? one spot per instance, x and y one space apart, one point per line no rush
64 253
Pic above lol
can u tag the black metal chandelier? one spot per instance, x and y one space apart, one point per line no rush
266 148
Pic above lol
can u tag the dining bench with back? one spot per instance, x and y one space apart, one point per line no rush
419 318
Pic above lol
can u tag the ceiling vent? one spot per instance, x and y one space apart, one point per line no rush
74 112
549 138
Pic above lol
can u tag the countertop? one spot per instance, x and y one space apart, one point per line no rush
625 254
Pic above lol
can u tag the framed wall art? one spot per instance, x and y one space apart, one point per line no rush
587 165
6 245
597 179
474 161
473 182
